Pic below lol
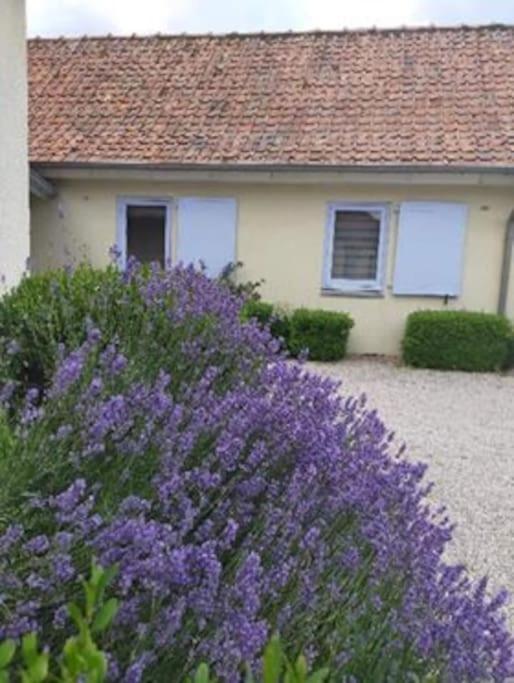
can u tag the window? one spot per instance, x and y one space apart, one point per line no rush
144 230
355 247
207 232
429 252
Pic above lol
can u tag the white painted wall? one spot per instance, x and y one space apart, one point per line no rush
14 169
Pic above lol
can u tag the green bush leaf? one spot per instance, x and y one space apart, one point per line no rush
301 669
107 575
105 615
96 664
273 661
76 615
202 674
7 650
319 676
38 670
29 648
324 334
457 340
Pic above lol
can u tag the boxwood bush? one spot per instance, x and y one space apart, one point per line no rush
457 340
270 316
323 334
509 363
52 309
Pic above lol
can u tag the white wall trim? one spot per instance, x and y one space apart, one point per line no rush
121 224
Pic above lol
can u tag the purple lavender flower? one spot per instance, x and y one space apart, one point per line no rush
10 537
236 493
37 545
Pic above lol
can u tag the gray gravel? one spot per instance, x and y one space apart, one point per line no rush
462 425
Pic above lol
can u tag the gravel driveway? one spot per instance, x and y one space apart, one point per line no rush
462 425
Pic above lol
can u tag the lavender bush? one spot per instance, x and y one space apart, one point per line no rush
237 494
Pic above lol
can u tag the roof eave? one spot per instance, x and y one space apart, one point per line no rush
41 166
39 186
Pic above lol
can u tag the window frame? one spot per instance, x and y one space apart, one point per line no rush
344 284
122 203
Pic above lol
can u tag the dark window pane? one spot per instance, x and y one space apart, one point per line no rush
355 248
146 228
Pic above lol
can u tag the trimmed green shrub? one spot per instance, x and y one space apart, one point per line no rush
262 311
324 334
51 309
509 362
457 340
267 315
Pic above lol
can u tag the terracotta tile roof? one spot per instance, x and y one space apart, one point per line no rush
442 96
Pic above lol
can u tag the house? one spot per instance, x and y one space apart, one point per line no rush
14 167
364 171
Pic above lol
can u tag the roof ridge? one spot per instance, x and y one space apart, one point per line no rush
422 28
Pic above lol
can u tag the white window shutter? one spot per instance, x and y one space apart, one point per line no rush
430 249
207 232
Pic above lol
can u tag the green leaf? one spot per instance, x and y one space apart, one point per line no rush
301 669
96 665
319 676
290 674
202 674
90 593
76 615
71 656
38 670
4 677
105 615
96 574
29 648
272 665
7 650
105 579
289 677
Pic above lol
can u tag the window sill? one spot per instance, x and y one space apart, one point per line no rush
356 293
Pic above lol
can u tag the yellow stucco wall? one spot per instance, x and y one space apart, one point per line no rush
280 238
14 168
510 289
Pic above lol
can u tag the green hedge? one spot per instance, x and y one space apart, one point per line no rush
324 334
267 314
457 340
50 309
509 363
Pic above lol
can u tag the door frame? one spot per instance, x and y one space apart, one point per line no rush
122 203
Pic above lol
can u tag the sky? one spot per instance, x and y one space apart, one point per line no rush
80 17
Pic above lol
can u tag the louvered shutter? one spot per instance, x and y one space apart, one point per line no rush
207 232
430 248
